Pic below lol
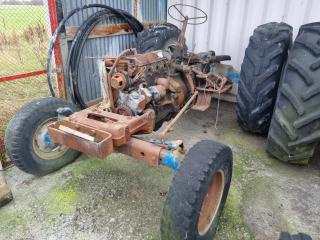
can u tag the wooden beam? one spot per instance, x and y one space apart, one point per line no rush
104 30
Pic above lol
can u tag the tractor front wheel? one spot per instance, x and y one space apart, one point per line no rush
27 142
198 193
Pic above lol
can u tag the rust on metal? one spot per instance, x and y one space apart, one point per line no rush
211 203
203 101
118 81
101 146
108 129
162 135
142 150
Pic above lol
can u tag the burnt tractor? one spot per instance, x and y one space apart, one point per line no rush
141 91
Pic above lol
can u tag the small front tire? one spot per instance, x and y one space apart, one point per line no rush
27 142
198 193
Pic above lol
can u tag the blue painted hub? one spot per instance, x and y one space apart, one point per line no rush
171 162
47 139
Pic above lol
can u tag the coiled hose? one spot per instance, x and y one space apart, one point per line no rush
72 65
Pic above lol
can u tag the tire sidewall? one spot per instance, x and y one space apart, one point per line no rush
181 212
20 134
225 167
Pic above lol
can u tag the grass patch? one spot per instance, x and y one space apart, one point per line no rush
17 17
23 48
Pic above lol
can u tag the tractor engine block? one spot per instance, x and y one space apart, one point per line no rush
143 81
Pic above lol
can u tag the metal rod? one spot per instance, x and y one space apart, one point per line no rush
161 136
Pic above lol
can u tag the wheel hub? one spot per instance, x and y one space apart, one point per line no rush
42 144
211 203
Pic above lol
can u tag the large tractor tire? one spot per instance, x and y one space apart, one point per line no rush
260 74
159 37
198 193
27 142
295 128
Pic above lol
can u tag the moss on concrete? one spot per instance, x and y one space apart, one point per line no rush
12 222
62 199
232 225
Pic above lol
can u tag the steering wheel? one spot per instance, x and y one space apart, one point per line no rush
203 15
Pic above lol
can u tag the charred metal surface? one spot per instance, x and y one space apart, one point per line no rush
140 92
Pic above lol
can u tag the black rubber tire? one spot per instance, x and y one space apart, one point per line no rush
189 187
20 131
260 74
295 128
299 236
157 37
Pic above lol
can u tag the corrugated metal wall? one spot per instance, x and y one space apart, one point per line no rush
148 10
231 22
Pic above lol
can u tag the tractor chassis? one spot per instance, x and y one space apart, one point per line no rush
99 133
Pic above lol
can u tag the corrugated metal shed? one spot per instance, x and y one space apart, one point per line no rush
231 22
147 10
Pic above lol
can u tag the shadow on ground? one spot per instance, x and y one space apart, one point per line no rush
121 198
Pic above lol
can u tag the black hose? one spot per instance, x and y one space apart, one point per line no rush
73 61
131 20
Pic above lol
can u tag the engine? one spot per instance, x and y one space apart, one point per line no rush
144 81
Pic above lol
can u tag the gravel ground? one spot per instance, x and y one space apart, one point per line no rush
122 198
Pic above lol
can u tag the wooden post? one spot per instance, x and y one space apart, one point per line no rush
5 192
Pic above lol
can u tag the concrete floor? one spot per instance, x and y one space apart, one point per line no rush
121 198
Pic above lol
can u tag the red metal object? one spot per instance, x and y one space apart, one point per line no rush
22 75
57 51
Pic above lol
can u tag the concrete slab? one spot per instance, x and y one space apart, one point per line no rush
121 198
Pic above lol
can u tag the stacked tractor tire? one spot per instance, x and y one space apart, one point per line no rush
279 90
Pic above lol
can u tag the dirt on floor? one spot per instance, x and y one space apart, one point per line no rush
122 198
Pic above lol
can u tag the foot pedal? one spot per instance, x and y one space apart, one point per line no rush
203 101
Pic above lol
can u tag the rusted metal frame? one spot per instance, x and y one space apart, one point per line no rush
101 147
181 39
143 150
187 71
22 75
106 128
57 50
140 60
211 90
212 86
162 135
154 154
